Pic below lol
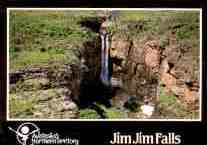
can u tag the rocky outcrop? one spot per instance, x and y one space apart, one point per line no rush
45 92
143 65
187 92
132 64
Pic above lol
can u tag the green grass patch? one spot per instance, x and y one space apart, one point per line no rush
34 59
112 112
171 107
88 114
31 85
20 107
38 37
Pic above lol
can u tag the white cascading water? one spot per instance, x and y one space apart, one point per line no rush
105 78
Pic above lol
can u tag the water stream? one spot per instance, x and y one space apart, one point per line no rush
104 76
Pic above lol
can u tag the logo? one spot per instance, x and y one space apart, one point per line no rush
29 134
24 131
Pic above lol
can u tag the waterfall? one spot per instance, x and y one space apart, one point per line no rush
105 78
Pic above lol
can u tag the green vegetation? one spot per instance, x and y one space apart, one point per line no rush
171 107
112 112
109 113
21 107
31 85
158 24
25 104
36 37
88 114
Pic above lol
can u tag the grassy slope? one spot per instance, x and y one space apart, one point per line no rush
38 37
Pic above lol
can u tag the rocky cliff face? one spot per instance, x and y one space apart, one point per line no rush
143 65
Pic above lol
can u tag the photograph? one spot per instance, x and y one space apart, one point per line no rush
104 64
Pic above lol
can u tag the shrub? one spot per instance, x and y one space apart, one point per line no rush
88 114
